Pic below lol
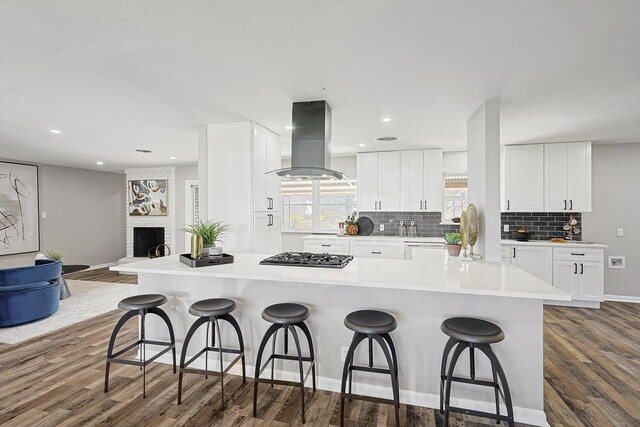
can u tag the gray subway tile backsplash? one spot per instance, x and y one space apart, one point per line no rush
428 223
543 225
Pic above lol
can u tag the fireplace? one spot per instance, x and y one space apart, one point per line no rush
146 238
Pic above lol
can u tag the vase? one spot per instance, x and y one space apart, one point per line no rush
351 229
196 246
212 250
454 250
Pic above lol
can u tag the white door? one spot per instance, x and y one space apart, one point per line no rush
535 260
260 150
579 176
388 181
433 181
565 276
274 161
367 182
524 178
260 237
411 181
274 235
590 281
555 177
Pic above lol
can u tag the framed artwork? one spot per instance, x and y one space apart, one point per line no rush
148 197
19 209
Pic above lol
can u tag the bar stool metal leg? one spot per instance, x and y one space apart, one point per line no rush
272 329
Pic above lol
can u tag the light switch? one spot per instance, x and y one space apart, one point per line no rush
505 227
620 232
44 214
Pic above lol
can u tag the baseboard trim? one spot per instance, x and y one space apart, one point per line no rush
622 298
409 397
573 303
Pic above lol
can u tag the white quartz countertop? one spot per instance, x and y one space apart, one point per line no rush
375 238
429 271
555 245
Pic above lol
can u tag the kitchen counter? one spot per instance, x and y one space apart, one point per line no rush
419 293
513 242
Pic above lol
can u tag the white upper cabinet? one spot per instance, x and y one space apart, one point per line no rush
379 181
568 177
523 178
421 186
266 157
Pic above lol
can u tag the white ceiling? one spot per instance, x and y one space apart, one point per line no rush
114 76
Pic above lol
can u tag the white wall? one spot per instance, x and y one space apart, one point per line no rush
85 219
454 162
616 204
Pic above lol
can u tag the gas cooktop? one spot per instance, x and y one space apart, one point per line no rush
307 259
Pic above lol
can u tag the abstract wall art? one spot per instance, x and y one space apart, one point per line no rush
19 211
148 197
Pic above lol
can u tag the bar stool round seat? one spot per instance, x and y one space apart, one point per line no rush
212 307
370 322
471 330
285 313
142 302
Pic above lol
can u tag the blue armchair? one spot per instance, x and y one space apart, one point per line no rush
29 293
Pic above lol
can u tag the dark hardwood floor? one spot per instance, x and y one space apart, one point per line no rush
103 275
592 367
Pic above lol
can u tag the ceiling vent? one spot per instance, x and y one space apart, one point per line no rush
387 138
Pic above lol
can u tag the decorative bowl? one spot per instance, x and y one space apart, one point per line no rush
521 236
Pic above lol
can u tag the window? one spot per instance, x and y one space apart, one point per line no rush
317 205
456 196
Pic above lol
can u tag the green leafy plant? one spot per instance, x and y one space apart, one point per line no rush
452 238
352 219
210 231
54 255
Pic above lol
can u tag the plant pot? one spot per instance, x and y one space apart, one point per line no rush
212 250
454 250
351 229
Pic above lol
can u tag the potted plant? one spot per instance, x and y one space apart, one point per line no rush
351 224
204 235
453 243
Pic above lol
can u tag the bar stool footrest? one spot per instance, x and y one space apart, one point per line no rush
113 358
352 396
285 357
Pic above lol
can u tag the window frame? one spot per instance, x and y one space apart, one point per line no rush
444 194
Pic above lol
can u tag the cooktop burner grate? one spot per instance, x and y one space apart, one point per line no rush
308 259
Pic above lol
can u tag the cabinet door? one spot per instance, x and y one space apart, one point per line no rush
367 182
524 178
590 281
579 176
274 161
260 220
535 260
259 148
411 181
555 178
274 235
389 181
433 181
565 276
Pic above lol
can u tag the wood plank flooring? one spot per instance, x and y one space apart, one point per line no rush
103 275
592 366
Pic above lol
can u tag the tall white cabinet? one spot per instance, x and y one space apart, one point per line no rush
379 181
421 182
523 178
232 161
567 173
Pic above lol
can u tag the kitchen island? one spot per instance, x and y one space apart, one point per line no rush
420 293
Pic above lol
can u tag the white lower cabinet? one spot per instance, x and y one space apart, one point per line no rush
377 250
328 246
535 260
267 236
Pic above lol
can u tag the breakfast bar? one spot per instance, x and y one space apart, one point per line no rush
420 293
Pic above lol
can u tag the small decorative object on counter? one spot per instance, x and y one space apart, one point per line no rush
453 243
412 229
571 228
210 232
402 229
351 224
474 228
341 229
521 235
205 261
464 236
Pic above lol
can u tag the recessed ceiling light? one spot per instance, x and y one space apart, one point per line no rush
55 131
172 158
386 119
288 127
99 163
142 150
362 145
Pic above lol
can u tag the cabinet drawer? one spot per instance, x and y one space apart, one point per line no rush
578 254
326 246
363 250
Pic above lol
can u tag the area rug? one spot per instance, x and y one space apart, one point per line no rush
88 299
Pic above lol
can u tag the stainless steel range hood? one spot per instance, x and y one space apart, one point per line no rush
310 143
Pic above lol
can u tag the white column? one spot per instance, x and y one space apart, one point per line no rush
483 154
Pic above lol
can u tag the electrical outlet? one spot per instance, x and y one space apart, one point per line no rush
620 232
44 214
505 227
381 227
343 353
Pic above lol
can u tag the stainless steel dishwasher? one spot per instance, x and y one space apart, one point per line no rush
410 246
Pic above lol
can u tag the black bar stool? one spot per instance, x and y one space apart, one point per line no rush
466 332
371 325
210 311
285 316
140 305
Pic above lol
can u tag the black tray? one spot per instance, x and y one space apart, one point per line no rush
203 262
